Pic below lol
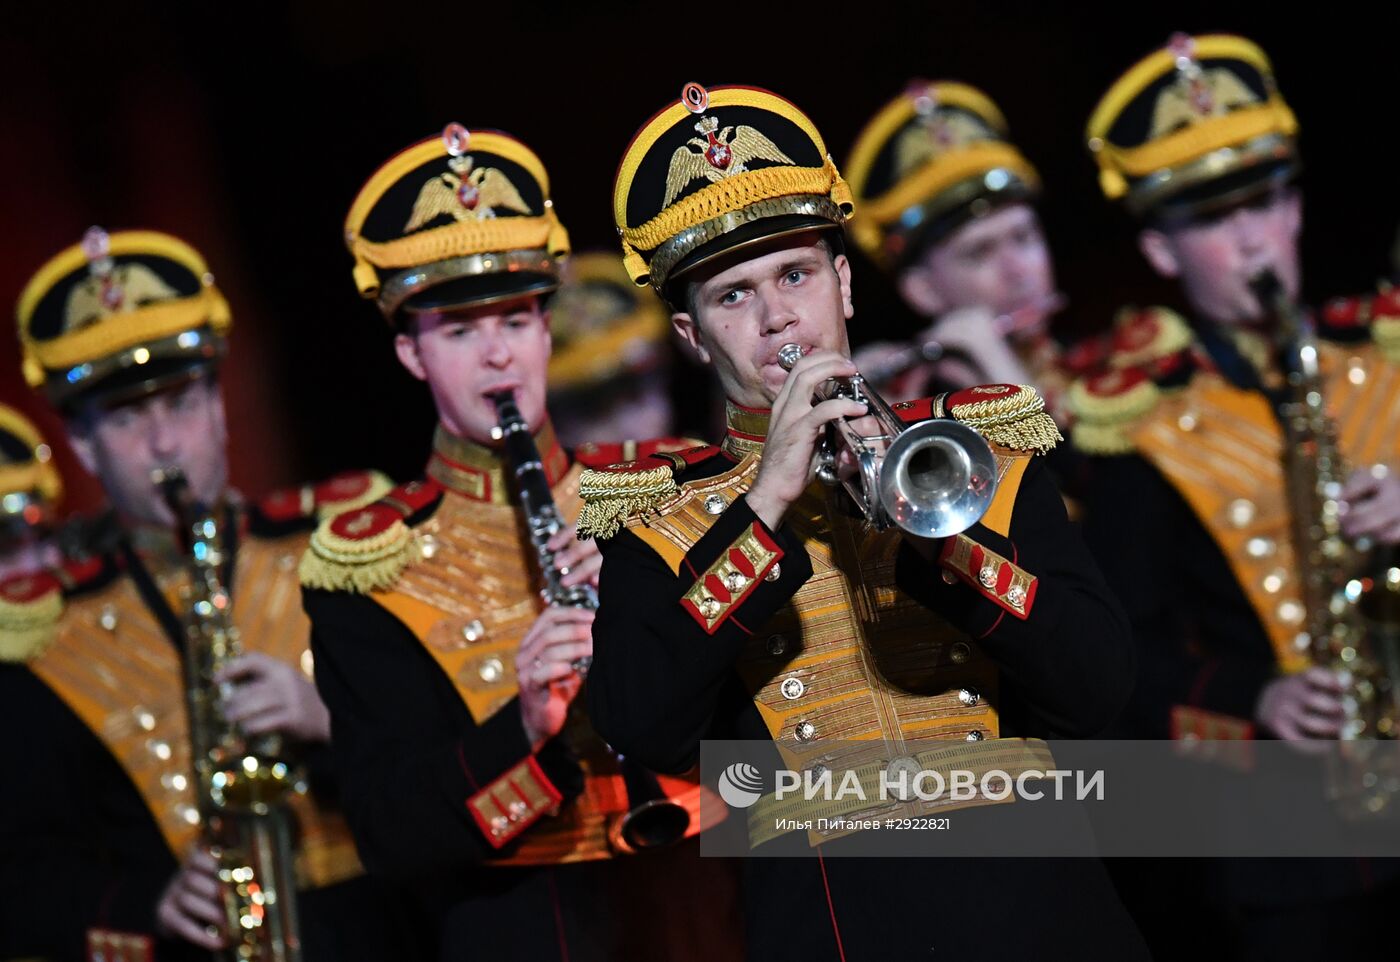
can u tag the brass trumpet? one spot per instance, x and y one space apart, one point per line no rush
933 479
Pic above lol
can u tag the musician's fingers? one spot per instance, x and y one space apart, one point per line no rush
247 702
1316 726
536 643
1323 704
251 665
201 908
1362 484
273 720
204 884
835 408
1324 679
574 552
583 571
545 673
561 539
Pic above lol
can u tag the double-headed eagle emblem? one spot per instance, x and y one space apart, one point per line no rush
717 154
465 192
1198 93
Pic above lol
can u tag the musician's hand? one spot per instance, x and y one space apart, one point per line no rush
191 907
794 428
578 561
1303 707
972 333
1372 505
273 696
544 669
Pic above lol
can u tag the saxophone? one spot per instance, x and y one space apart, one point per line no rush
652 819
242 784
1351 623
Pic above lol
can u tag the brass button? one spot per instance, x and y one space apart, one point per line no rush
491 670
709 607
1240 512
735 581
793 688
1259 547
908 767
108 618
988 576
969 696
144 719
777 644
975 736
474 631
949 578
716 503
1016 597
499 824
959 652
774 573
428 545
805 731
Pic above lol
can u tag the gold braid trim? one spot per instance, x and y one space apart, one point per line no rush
1385 331
735 193
379 485
40 476
611 497
1172 336
489 235
116 332
336 563
1015 420
1102 421
27 627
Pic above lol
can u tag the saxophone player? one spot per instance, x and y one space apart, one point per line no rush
451 681
100 853
30 493
1189 514
728 590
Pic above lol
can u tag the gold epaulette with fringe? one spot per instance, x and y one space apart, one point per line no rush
1379 312
1144 335
1010 415
366 548
628 489
1106 406
30 608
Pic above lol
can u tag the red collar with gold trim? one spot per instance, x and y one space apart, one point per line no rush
479 473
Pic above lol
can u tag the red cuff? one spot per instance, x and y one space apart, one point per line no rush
723 587
112 946
514 802
1000 581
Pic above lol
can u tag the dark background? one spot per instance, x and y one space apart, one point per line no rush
249 133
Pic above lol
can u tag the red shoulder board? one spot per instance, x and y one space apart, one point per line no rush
28 588
1114 383
1347 312
601 457
287 504
920 409
412 497
78 573
1086 356
1386 304
346 486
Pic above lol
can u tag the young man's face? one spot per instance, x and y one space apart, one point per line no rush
1215 257
469 354
741 312
999 261
181 427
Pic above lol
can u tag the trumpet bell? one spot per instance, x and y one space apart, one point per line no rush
937 478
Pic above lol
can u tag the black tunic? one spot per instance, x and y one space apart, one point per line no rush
660 684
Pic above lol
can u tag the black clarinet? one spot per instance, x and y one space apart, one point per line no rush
652 820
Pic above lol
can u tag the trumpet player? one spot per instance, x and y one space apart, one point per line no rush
470 780
1190 515
945 206
728 587
100 833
